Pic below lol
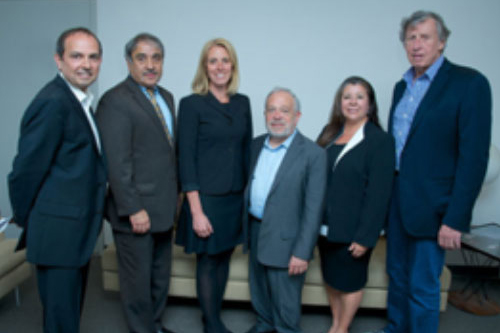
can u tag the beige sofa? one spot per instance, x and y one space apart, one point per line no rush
183 278
14 269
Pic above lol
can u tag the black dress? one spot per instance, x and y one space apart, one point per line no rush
214 144
340 269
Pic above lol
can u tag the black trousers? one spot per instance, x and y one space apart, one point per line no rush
144 265
62 292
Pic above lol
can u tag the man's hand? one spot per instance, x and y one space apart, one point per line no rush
297 266
140 222
357 250
449 238
202 226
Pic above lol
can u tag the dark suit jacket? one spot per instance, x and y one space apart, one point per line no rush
293 209
214 143
445 157
142 164
359 188
58 182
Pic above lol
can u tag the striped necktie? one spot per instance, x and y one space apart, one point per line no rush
160 115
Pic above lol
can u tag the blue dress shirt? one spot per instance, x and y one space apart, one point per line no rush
408 105
163 107
265 171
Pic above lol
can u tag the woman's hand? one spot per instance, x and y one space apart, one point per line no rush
357 250
202 226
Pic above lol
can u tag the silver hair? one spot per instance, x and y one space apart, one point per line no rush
296 102
147 37
420 16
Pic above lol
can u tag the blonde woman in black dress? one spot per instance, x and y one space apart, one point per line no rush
214 135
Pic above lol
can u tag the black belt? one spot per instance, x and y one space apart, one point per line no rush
256 219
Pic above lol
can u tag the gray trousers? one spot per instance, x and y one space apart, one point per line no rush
276 296
144 265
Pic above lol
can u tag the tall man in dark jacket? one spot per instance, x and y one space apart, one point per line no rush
137 122
58 182
441 121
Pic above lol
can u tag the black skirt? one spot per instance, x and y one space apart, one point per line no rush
224 213
340 269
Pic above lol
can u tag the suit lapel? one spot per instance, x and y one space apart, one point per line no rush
398 94
292 154
433 93
212 101
171 107
79 111
257 147
353 142
146 106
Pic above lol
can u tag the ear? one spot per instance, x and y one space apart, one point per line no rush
58 61
297 116
441 46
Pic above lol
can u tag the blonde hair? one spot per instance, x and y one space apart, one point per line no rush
201 82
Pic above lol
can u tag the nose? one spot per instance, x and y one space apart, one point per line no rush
417 43
86 62
149 63
277 115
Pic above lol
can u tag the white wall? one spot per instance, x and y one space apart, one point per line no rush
308 46
28 33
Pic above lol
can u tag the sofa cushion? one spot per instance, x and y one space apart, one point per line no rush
9 259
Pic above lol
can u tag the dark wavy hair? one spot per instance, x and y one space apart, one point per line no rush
337 119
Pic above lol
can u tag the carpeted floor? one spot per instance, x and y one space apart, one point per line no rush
102 313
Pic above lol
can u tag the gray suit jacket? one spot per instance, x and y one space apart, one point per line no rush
142 163
293 210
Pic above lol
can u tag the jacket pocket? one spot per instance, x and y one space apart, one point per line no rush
59 210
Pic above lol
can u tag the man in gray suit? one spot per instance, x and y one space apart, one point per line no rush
136 119
284 203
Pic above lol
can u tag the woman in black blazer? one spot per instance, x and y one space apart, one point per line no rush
361 168
214 135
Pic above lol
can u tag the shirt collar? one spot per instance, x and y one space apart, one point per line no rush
285 144
144 89
430 73
84 98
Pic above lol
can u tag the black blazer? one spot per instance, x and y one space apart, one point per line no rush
214 143
142 163
445 156
359 188
58 181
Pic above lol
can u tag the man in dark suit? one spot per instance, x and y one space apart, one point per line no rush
441 120
137 122
58 182
283 210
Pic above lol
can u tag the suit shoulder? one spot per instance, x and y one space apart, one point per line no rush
310 143
190 101
52 98
192 98
115 91
464 72
312 149
166 92
240 98
259 139
374 132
